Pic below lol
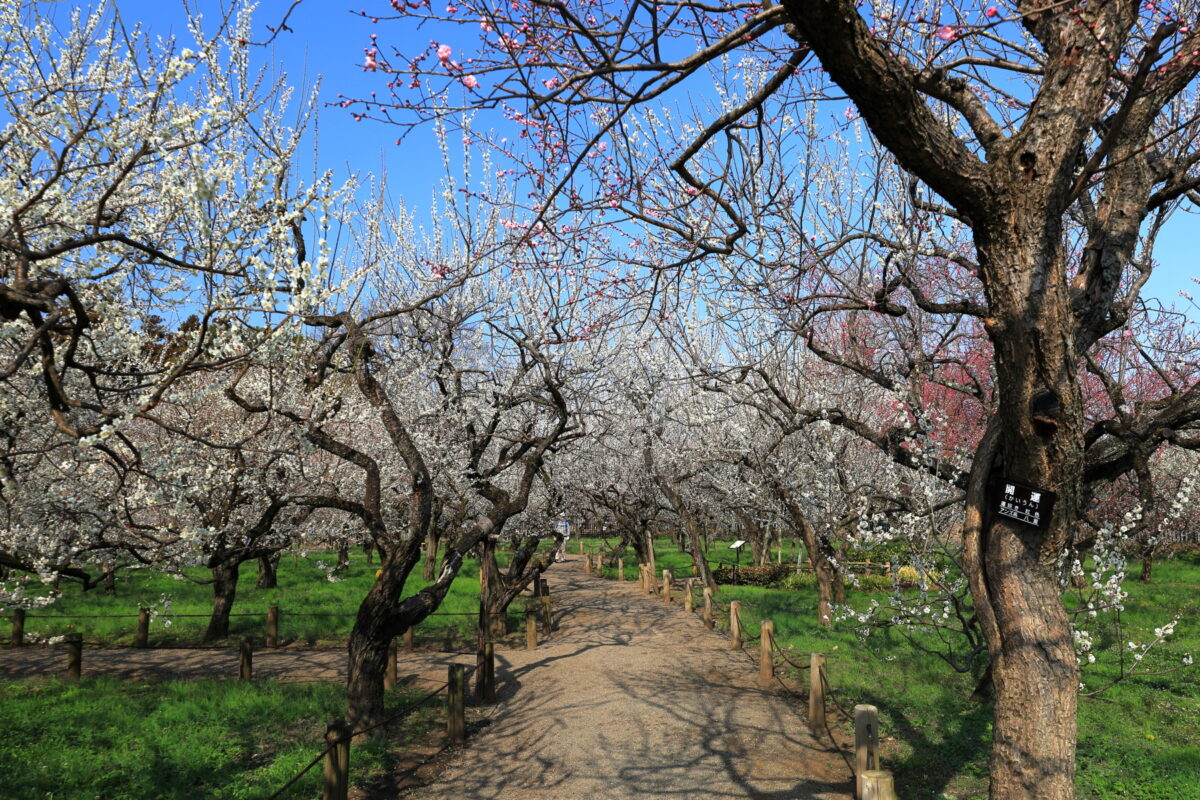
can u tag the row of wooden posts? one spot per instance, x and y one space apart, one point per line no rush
871 782
74 641
142 637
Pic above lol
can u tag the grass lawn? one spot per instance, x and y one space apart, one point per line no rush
1137 741
303 589
120 740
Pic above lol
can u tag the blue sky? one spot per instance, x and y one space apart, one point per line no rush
328 42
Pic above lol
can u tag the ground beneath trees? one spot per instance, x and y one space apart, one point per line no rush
630 698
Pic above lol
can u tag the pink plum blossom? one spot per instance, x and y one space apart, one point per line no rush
444 52
991 12
947 33
469 81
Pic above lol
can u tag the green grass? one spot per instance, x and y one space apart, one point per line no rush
118 740
1137 741
303 589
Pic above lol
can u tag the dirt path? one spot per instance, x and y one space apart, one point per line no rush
632 699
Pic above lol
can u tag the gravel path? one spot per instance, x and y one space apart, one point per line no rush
633 699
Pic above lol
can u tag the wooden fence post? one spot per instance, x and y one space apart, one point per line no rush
878 785
620 569
389 672
666 586
408 638
581 545
709 622
695 571
142 639
587 563
735 625
337 761
485 682
456 720
816 694
18 627
74 656
547 618
245 659
766 654
530 629
687 595
272 626
649 583
866 743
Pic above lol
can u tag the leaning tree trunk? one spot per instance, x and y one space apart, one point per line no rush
697 554
225 580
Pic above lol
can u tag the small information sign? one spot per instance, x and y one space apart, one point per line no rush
1024 503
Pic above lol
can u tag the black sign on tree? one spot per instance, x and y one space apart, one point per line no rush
1024 503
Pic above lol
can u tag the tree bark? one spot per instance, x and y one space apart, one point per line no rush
225 580
826 576
267 571
431 549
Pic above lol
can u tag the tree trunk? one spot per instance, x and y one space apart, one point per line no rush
1034 672
368 651
697 554
343 557
268 567
110 582
431 549
225 580
1147 566
378 621
1035 439
827 577
759 544
649 534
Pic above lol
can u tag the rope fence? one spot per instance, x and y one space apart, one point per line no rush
871 782
20 617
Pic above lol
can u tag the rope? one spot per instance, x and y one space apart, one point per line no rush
828 730
783 655
829 694
279 792
30 617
